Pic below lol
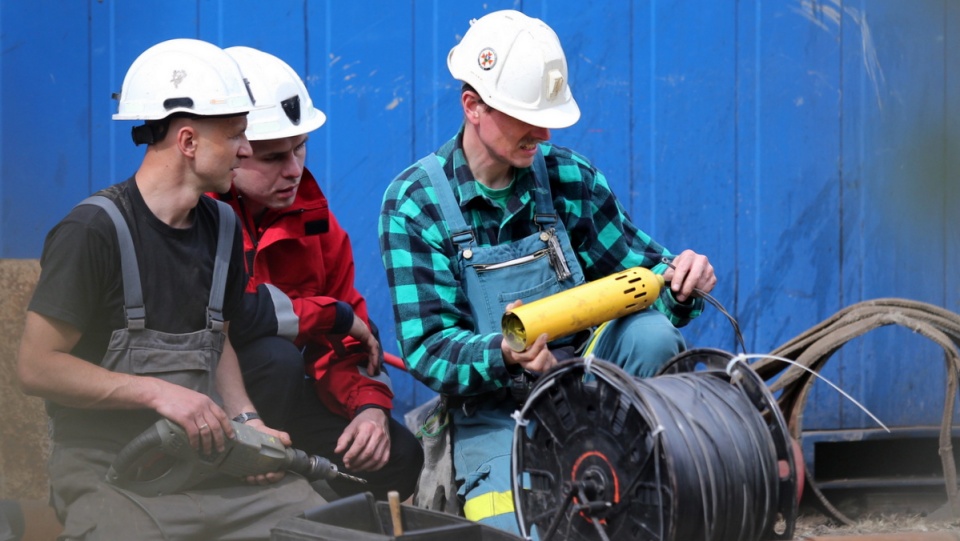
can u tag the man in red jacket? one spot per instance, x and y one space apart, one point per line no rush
303 310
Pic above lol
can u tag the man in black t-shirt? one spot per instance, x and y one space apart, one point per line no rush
109 367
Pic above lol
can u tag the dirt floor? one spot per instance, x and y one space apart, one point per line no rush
876 515
816 525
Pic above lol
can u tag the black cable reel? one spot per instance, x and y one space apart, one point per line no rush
700 452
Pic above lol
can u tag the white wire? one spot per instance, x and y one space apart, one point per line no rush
588 364
744 357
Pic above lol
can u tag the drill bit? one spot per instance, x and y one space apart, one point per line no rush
353 478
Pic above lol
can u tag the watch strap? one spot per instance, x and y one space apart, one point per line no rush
246 416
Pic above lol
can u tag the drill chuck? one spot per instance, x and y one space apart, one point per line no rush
315 467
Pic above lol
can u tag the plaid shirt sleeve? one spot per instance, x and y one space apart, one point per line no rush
433 318
604 237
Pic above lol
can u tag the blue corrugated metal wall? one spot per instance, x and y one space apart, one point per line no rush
810 147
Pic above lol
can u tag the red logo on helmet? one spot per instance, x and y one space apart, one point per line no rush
487 58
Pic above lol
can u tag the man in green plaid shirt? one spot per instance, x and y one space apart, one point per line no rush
499 215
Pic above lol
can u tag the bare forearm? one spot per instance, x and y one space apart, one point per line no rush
229 381
45 369
76 383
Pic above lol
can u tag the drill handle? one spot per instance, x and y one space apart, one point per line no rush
158 462
124 465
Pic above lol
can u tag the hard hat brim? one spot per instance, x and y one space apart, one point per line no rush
554 118
257 132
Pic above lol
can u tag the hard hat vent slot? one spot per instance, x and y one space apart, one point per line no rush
175 103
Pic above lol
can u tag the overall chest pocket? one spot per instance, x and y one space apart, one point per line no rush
189 360
521 278
497 277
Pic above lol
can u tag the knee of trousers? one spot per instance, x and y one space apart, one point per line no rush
406 455
640 343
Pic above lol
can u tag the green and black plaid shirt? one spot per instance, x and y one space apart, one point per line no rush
435 328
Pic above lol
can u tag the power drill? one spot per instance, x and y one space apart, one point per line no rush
161 461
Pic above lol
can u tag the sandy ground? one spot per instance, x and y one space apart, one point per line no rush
812 524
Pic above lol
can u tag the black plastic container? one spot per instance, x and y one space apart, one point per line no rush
362 518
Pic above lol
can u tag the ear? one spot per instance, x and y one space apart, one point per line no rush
472 106
187 138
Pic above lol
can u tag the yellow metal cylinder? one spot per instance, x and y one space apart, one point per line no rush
581 307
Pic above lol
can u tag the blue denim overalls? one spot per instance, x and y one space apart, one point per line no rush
493 276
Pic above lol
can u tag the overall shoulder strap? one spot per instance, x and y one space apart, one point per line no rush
221 265
460 233
545 214
132 292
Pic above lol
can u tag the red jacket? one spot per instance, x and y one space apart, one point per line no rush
301 264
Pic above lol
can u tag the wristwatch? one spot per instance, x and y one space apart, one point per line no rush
246 416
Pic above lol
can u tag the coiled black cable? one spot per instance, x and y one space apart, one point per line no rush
688 456
721 453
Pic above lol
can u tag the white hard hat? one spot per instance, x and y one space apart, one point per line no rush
183 76
284 107
517 66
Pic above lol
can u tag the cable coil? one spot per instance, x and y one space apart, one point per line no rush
699 453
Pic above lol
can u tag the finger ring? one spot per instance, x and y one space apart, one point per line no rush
203 426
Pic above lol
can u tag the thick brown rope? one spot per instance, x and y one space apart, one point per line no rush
814 347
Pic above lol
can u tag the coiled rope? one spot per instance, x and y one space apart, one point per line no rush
814 347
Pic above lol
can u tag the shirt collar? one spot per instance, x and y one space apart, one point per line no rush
466 183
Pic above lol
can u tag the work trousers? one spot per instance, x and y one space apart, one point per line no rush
286 399
224 509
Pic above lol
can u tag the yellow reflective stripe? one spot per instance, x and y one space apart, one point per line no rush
594 338
488 505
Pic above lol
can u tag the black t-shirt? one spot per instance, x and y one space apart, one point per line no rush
80 279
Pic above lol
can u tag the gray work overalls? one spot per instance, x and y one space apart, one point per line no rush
226 509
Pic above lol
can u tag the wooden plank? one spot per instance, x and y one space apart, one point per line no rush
892 203
121 31
951 115
362 56
683 119
598 63
788 182
809 148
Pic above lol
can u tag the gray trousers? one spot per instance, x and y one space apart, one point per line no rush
230 509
